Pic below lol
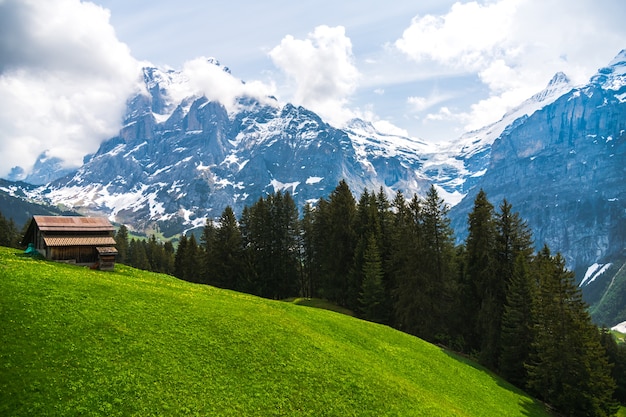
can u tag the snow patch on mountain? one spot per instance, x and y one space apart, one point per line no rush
313 180
593 272
285 186
621 327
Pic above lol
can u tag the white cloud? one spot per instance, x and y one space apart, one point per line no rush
514 47
208 79
444 113
63 78
419 104
465 37
322 69
385 126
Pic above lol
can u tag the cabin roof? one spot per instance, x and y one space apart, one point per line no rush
70 227
106 250
73 224
78 241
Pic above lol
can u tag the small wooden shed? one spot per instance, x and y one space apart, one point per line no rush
82 240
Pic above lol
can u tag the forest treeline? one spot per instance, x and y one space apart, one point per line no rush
516 311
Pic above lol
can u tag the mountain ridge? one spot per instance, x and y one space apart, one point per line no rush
237 157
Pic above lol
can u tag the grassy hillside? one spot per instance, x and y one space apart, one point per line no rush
80 342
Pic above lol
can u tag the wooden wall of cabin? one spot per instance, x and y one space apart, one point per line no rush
80 254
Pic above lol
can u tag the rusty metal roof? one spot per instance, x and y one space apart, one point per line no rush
79 241
73 223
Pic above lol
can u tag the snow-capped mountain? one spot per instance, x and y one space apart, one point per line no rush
563 169
180 158
176 161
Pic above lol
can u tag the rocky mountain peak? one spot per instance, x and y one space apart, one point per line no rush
619 60
559 78
613 76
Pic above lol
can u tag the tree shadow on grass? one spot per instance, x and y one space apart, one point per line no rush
529 406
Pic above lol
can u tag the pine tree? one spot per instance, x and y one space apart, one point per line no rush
372 297
228 252
308 281
209 244
154 253
482 290
568 367
169 254
616 354
179 259
121 243
335 243
137 255
285 230
514 239
514 249
9 235
5 233
437 265
410 300
366 227
517 325
191 266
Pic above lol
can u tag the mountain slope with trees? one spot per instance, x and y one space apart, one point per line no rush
519 313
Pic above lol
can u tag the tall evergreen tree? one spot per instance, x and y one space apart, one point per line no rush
137 257
373 295
9 235
285 228
616 354
169 254
155 254
517 325
514 249
514 239
121 243
335 244
209 244
410 300
568 367
191 260
482 288
227 252
437 265
386 221
308 281
366 227
179 259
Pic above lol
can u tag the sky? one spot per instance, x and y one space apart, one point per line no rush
429 69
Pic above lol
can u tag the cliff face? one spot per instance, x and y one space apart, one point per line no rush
563 168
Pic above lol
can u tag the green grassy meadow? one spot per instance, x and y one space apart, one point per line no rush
132 343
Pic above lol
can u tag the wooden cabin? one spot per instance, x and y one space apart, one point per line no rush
85 241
